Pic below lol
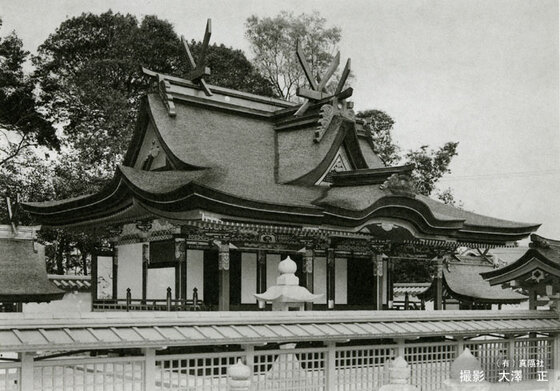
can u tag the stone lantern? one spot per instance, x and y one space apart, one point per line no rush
287 294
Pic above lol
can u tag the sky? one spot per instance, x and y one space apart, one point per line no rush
483 73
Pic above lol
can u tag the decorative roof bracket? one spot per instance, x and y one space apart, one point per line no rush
199 71
318 91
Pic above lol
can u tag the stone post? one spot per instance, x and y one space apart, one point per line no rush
399 376
239 377
466 374
27 371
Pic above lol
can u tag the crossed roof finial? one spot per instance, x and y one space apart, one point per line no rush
200 70
318 89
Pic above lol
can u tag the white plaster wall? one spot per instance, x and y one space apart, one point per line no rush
341 281
159 160
104 277
158 281
195 273
248 277
272 261
70 303
130 270
320 279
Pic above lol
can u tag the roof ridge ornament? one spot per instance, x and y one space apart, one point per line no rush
400 184
200 70
318 91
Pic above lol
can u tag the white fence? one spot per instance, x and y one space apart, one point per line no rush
340 368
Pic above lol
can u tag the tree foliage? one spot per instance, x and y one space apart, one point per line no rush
90 75
22 125
273 43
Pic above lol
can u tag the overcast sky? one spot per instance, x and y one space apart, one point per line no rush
484 73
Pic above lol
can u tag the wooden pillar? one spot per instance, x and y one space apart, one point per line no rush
331 278
27 371
223 271
181 269
532 299
145 264
378 273
308 260
94 277
438 299
261 275
115 270
389 278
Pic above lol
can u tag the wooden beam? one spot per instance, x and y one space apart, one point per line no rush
206 41
305 66
332 68
312 94
188 52
343 78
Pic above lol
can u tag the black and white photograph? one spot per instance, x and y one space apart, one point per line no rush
298 195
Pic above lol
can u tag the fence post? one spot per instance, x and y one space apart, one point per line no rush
400 347
239 377
128 299
26 373
149 369
330 366
168 298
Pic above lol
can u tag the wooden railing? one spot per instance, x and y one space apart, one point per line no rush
328 368
167 304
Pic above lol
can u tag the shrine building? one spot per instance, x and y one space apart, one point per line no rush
218 186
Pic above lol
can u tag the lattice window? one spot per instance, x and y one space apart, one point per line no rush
533 357
101 374
363 368
490 354
430 363
294 370
195 372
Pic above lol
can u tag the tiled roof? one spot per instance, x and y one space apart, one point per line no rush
239 165
71 283
34 332
413 288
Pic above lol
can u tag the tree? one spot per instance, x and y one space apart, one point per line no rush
273 43
381 125
22 125
430 165
89 71
90 79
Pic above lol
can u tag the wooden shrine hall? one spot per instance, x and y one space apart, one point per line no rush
219 185
537 272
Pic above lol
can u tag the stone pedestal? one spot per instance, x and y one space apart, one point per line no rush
465 374
399 376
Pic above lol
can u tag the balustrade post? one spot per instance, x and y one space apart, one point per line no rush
128 299
399 376
27 370
330 367
239 377
149 369
168 298
466 374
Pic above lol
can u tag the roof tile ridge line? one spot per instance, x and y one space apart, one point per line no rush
222 90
